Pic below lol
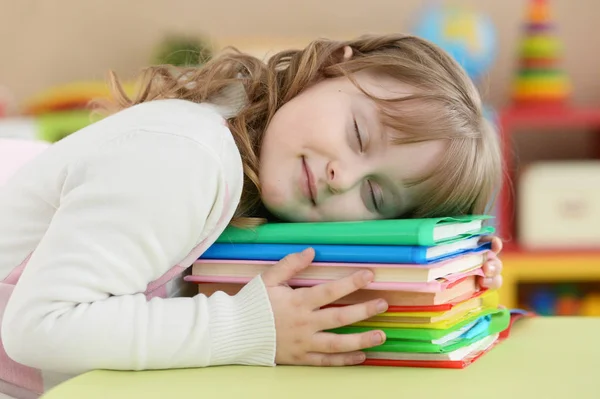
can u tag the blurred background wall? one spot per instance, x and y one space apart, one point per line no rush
48 42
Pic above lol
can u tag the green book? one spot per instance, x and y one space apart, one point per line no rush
499 322
423 334
418 232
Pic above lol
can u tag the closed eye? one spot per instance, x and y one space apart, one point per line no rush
357 131
376 203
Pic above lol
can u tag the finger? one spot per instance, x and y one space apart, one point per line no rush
491 283
326 293
336 359
335 317
492 268
341 343
288 267
496 243
486 239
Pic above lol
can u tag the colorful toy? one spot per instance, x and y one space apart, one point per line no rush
540 78
466 35
564 299
543 302
50 127
180 50
69 97
57 111
590 305
568 301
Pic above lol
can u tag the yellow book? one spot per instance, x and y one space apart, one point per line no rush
489 299
437 325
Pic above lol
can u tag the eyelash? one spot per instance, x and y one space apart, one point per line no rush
360 143
373 195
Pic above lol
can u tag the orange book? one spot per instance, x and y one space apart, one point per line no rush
464 288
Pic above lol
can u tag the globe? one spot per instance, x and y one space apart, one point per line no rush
467 35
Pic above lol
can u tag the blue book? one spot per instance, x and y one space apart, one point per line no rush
347 253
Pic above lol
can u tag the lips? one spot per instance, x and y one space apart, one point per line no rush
309 186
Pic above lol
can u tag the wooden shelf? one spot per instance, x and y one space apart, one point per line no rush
556 265
541 119
545 267
550 116
515 249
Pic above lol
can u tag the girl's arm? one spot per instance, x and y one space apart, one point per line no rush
128 213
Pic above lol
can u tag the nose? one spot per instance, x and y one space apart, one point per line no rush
340 180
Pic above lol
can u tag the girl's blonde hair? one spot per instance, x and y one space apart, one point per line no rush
445 105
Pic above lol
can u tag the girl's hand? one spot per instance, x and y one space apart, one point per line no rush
300 322
493 265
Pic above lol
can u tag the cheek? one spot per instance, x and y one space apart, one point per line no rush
314 123
288 122
273 194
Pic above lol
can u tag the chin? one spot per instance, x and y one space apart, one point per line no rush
275 201
282 214
288 214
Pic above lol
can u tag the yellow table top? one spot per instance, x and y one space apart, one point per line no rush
545 357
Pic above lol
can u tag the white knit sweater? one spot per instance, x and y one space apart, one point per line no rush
101 226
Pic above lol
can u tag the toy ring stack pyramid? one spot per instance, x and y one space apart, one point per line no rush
540 78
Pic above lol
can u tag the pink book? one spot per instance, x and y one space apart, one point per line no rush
437 285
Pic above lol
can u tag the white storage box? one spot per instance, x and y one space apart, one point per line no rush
558 205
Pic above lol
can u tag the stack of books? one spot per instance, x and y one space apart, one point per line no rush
426 269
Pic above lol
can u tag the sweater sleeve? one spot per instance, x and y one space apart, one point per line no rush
128 213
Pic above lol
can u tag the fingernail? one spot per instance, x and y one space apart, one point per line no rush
487 282
359 357
377 338
491 271
367 275
382 306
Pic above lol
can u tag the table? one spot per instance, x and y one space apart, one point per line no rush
553 357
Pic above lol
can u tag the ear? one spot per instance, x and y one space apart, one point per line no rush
342 54
348 52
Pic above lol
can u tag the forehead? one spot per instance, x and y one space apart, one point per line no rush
383 85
